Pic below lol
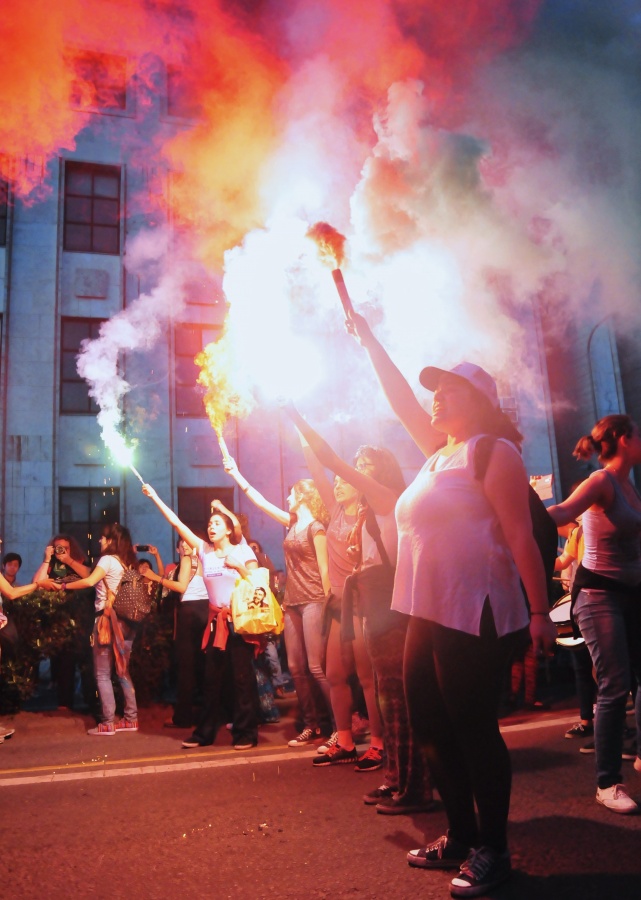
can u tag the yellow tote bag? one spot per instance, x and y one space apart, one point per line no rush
254 609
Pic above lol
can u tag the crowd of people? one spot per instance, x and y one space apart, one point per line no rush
404 604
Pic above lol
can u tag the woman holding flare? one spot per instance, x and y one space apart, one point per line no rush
464 604
305 550
223 557
374 483
366 619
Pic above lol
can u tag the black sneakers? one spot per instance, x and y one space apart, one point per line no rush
580 731
483 870
383 792
335 756
444 853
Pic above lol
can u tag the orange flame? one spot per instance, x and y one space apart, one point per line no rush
223 397
330 242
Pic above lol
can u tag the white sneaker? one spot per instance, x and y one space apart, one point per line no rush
330 742
6 732
307 736
617 799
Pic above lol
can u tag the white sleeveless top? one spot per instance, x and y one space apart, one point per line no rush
452 553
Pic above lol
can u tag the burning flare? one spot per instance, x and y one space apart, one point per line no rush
331 249
330 243
222 398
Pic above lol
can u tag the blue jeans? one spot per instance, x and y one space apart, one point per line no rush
611 626
304 643
103 663
273 664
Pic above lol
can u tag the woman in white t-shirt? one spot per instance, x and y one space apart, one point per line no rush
223 557
117 553
192 616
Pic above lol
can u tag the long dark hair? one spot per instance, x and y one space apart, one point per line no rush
228 522
119 544
603 440
75 551
494 421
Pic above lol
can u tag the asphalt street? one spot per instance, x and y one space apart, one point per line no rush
134 815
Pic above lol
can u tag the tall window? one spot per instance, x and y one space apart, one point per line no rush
4 211
100 80
92 208
181 99
189 341
194 505
74 396
84 511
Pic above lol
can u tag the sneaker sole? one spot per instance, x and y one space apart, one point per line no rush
373 768
338 762
629 811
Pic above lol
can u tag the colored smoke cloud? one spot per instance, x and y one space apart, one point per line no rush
478 156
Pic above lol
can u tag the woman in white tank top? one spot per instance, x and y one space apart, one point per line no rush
466 618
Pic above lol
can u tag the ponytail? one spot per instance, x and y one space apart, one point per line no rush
603 440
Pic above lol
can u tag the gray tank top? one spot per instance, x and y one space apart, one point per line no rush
612 538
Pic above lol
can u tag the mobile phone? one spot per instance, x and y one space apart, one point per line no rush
142 548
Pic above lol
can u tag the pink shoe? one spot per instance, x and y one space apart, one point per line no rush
125 725
104 728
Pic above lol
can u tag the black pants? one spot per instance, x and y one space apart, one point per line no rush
236 660
191 621
453 684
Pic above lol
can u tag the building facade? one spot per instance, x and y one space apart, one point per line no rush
63 271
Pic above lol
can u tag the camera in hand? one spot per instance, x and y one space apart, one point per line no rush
142 548
59 550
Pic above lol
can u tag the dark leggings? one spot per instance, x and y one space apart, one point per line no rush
453 685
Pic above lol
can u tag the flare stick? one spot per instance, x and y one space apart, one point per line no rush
136 473
339 281
223 446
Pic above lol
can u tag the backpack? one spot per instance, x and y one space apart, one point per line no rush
132 600
543 525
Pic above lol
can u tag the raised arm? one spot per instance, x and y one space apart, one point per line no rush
282 517
416 421
186 533
184 577
316 470
43 570
219 506
156 555
381 499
